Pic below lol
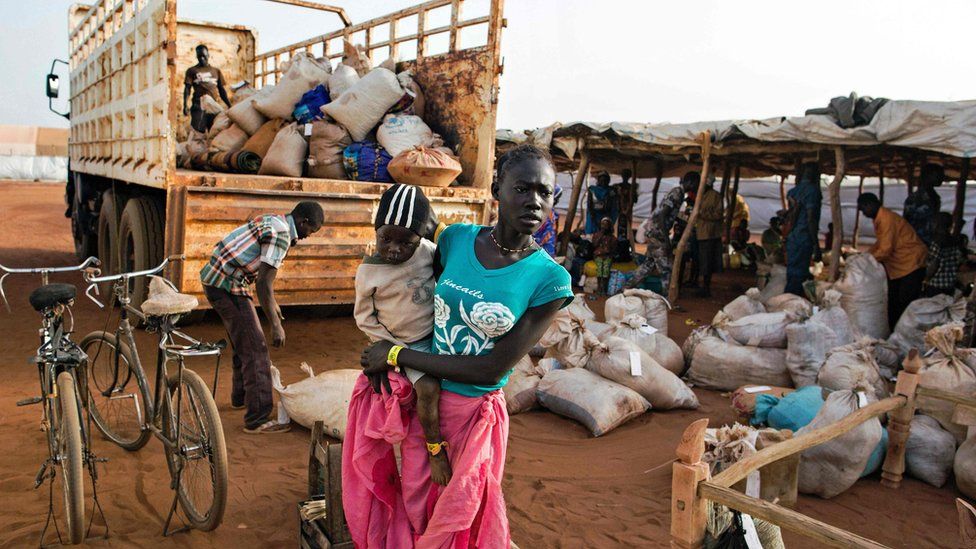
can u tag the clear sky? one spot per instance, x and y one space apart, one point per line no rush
603 60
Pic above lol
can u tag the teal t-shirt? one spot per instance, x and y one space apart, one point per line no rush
475 306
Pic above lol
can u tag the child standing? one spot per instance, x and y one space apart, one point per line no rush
604 246
395 301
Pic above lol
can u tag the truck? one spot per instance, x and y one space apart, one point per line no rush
131 205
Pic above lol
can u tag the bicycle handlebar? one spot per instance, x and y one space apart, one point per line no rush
126 276
89 266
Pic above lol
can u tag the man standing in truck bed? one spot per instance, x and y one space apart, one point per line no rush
253 252
203 80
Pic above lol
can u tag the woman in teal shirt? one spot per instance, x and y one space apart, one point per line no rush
496 295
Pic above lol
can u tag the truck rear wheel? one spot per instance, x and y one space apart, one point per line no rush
108 233
140 242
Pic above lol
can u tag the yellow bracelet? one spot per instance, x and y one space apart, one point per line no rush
391 357
434 448
437 232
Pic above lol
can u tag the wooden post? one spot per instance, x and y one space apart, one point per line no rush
325 478
910 181
630 203
782 192
574 200
657 183
836 215
880 179
857 215
900 421
732 202
706 146
960 208
688 511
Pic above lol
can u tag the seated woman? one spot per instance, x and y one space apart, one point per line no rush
495 297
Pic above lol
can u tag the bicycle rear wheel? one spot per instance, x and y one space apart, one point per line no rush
70 456
118 391
200 456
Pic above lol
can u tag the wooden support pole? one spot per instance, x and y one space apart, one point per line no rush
584 167
785 518
688 511
631 200
881 178
782 192
657 183
836 215
910 180
857 216
706 153
732 203
900 421
960 208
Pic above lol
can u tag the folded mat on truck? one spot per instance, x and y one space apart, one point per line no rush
238 161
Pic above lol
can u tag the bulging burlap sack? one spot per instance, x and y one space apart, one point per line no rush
745 305
403 132
657 345
244 91
693 339
621 306
569 342
664 390
921 316
789 303
599 329
864 287
261 141
656 308
808 343
417 99
323 397
776 284
833 315
580 309
325 147
946 369
761 330
717 364
964 466
829 469
851 366
520 391
355 57
303 73
360 108
929 451
428 167
245 115
343 78
287 153
599 404
231 139
221 122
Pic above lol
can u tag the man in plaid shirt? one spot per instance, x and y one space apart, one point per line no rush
252 254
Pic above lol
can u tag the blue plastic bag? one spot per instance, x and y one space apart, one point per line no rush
617 281
878 455
792 412
309 107
367 161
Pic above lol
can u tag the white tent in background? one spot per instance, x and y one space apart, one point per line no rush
32 153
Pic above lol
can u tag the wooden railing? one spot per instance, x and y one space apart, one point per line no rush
382 37
692 486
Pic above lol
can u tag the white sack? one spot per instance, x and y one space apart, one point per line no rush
403 132
622 361
829 469
520 391
658 346
761 330
599 404
776 284
622 305
946 369
852 366
656 308
343 78
930 451
745 305
921 316
726 366
808 343
832 314
864 287
570 342
789 303
323 397
287 154
580 309
693 339
360 108
964 467
599 329
303 73
246 115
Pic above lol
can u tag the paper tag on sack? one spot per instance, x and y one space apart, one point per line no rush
283 418
308 130
750 533
757 389
635 363
862 399
648 329
753 484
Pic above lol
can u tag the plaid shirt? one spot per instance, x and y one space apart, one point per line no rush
235 260
948 258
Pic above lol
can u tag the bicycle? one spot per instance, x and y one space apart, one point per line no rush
58 360
181 412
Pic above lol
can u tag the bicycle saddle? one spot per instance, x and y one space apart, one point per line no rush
165 300
49 295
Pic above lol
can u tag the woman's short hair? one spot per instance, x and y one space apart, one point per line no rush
523 152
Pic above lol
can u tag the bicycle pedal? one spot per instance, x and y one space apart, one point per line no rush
29 401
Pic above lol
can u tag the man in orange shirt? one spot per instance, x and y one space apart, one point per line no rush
900 250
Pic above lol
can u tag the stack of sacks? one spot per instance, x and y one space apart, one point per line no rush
657 345
599 404
623 362
832 467
948 369
921 316
852 366
864 291
323 397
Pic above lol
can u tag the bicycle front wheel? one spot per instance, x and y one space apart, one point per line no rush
199 456
117 390
70 455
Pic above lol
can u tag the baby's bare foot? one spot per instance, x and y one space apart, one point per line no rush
440 468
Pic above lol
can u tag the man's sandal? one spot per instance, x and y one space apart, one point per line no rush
268 427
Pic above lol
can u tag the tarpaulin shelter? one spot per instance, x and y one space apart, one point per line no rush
33 153
900 138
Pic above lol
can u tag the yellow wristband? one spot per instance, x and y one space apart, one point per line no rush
391 357
437 232
434 448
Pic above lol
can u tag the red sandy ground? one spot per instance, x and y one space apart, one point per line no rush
563 487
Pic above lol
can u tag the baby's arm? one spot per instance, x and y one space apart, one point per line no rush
365 312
